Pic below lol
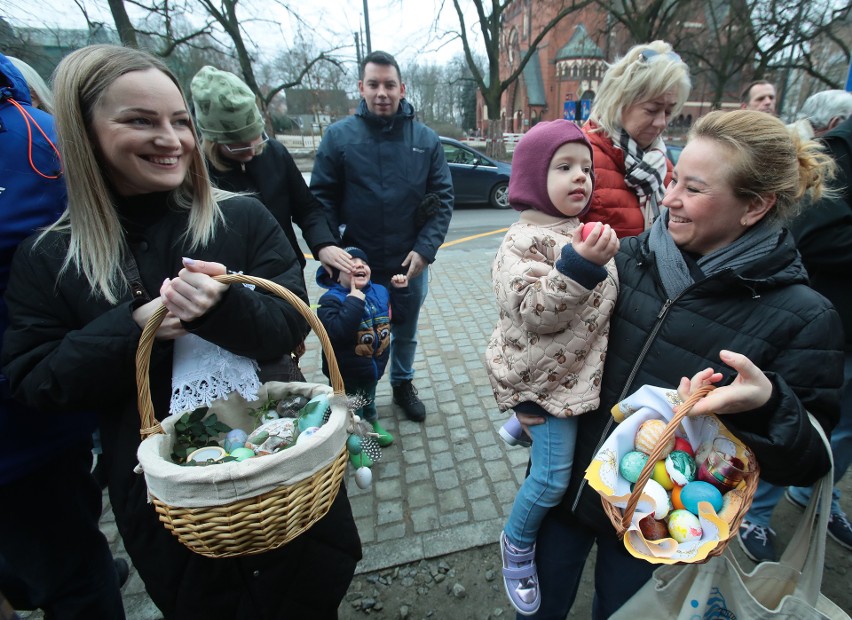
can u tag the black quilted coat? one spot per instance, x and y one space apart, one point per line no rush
766 312
65 349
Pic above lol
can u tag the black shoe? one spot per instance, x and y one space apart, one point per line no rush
122 569
405 395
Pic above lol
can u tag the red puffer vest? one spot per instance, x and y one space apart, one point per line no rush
613 202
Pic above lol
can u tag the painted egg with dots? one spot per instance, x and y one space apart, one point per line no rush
684 526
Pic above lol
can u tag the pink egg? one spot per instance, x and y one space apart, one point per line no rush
588 227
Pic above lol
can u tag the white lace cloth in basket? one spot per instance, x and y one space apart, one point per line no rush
203 372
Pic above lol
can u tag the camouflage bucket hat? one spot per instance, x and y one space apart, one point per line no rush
225 108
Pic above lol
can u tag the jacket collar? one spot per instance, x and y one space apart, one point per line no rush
403 113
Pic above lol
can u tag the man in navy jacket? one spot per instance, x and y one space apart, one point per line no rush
383 180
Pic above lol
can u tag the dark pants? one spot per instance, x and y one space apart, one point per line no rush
52 555
561 552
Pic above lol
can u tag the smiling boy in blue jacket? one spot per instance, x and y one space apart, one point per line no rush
357 314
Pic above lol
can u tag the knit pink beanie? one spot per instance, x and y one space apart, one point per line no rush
531 161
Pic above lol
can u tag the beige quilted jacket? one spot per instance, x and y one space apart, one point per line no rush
549 344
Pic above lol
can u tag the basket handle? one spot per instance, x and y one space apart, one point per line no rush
149 423
668 433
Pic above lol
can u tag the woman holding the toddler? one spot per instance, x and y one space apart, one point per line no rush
715 291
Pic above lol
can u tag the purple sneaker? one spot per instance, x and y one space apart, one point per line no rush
513 433
519 577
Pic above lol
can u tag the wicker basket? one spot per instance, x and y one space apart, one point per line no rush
266 521
622 520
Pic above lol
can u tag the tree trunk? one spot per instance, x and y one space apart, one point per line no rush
126 32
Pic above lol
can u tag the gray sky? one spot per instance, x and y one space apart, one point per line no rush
402 27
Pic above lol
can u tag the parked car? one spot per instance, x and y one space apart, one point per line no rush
477 178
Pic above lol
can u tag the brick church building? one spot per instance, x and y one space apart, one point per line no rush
561 78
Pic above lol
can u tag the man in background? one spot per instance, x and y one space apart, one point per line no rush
760 96
384 181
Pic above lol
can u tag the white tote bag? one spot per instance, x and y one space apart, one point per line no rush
721 589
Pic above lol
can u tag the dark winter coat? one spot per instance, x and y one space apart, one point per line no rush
766 312
275 178
360 329
824 232
29 200
371 174
67 349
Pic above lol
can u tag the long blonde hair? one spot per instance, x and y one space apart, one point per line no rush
38 87
768 159
645 72
97 246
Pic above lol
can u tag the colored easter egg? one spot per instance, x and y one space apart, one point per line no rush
648 436
307 434
588 227
631 465
700 491
680 467
684 526
363 477
661 475
241 454
235 439
353 444
675 497
652 529
660 498
684 446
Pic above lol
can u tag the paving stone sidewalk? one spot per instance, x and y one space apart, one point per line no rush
447 485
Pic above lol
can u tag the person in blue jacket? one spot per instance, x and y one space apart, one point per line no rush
357 314
52 554
384 182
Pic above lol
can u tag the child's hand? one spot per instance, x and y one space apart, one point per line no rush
599 247
354 291
400 280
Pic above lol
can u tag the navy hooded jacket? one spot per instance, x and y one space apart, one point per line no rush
359 329
372 173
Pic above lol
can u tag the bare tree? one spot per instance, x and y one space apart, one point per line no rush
489 81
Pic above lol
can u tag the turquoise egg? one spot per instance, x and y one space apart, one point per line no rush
353 444
700 491
631 465
241 454
235 439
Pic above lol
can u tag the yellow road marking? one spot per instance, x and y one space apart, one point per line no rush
472 237
449 243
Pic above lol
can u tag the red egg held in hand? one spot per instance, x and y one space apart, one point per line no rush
588 227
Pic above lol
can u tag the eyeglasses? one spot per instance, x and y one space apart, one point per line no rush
647 55
245 149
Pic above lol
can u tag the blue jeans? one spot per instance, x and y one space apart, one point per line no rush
551 457
404 336
767 495
561 552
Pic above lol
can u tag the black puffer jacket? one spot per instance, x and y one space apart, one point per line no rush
275 178
766 312
65 349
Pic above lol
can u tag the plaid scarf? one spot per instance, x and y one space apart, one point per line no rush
645 172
